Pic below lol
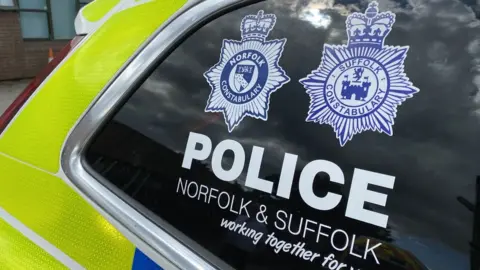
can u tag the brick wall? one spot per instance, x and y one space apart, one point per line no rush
21 58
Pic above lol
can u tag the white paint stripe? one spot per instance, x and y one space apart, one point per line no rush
39 241
25 163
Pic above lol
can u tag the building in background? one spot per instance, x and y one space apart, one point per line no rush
28 28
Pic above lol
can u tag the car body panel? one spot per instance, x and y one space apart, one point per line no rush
53 210
95 14
96 10
30 147
20 252
74 85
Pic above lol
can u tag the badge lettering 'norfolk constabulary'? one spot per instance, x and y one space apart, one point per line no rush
247 73
359 86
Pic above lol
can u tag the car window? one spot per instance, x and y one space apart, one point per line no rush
310 135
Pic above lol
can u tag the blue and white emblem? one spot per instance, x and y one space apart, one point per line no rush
247 73
359 86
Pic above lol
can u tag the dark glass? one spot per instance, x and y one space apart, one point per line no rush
433 153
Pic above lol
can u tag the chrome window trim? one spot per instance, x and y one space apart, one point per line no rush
156 238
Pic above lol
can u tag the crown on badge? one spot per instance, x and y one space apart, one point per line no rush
257 26
369 29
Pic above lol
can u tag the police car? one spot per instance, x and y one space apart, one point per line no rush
234 134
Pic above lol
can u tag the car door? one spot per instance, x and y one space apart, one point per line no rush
294 134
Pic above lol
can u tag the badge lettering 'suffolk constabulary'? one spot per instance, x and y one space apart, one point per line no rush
247 73
359 86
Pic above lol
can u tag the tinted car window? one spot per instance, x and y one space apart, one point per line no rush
294 183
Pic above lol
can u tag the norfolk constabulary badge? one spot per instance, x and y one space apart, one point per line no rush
247 73
359 86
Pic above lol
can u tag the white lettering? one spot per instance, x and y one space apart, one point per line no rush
307 176
286 175
199 147
281 228
352 246
190 151
195 190
220 199
371 250
253 180
332 240
182 186
238 160
359 194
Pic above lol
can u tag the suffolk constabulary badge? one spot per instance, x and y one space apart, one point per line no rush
359 86
247 73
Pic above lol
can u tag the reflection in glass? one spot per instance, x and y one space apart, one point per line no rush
34 24
316 17
33 4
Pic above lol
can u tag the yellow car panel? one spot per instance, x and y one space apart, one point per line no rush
33 194
50 208
38 132
18 252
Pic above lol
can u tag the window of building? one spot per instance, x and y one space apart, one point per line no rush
7 3
34 19
49 19
63 15
162 150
